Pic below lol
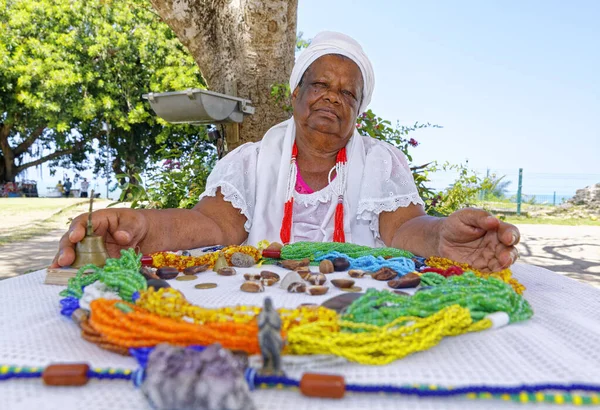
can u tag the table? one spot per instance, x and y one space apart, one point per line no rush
561 344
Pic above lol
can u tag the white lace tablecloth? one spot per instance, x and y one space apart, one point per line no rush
561 344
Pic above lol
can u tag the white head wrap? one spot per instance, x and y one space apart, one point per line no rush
328 42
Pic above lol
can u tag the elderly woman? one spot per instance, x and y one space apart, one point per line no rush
312 178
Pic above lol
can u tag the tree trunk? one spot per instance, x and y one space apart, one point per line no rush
7 172
243 47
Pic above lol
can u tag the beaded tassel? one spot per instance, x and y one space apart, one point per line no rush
286 225
340 187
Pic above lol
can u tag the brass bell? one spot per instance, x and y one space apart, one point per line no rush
91 249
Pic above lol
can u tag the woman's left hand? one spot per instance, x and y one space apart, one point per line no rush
475 237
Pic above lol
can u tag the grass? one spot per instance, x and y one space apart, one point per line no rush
25 218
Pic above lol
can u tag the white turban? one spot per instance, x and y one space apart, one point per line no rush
328 42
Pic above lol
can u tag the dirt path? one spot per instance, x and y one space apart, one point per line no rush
572 251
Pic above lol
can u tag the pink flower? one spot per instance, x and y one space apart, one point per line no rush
413 142
358 125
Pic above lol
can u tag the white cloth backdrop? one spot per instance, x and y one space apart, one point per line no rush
561 343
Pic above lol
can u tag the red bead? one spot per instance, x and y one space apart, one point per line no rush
267 253
75 374
328 386
146 260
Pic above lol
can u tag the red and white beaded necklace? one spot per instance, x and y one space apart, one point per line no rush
339 187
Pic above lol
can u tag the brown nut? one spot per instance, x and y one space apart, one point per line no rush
326 266
317 279
252 287
167 272
302 270
293 264
274 246
297 287
341 264
228 271
148 273
194 270
317 290
410 280
265 274
356 273
269 281
305 274
342 283
384 274
252 276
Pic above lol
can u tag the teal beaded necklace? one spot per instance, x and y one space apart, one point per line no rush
481 296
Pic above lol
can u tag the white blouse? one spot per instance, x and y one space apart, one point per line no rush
386 185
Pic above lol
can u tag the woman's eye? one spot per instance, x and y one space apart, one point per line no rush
348 93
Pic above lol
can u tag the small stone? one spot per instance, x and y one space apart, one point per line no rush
242 260
167 272
79 315
158 284
274 246
297 287
194 270
206 285
342 283
252 287
75 374
228 271
340 302
399 292
293 264
252 276
186 253
305 273
341 264
326 266
265 274
289 278
317 279
410 280
356 273
186 278
302 270
317 290
384 274
220 263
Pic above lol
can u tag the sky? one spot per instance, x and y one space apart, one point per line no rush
514 84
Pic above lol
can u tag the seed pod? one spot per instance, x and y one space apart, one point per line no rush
268 281
252 287
293 264
326 266
193 270
317 290
228 271
297 287
341 264
167 272
342 283
270 275
384 274
356 273
410 280
317 279
252 276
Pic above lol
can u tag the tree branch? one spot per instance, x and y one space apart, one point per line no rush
24 146
49 157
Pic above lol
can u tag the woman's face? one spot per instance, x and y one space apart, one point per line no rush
326 102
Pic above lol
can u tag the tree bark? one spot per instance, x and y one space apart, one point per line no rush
7 173
243 47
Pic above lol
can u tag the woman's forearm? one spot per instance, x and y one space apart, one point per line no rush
419 235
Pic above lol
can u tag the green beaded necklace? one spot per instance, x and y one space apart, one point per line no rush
481 296
312 250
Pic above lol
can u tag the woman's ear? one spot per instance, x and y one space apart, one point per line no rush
295 92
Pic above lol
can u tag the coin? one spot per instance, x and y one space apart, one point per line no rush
186 277
352 289
205 285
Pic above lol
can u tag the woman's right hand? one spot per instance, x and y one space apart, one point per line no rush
120 229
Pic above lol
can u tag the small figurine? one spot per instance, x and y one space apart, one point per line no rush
269 339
